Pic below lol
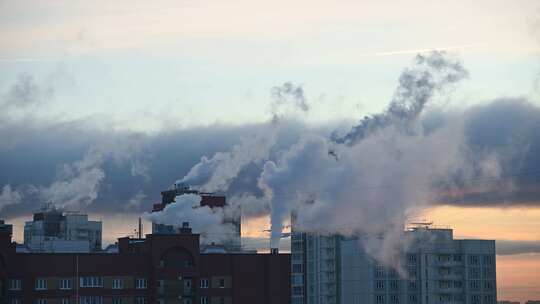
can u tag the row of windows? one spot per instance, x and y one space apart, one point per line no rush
203 300
85 282
87 300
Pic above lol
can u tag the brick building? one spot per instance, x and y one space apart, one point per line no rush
161 268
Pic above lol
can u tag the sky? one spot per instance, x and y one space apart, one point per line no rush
123 98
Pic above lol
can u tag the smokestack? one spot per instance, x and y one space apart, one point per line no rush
274 250
140 228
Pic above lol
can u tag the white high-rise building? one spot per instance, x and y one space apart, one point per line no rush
435 268
55 231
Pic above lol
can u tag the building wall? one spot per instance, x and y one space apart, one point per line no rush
157 269
435 269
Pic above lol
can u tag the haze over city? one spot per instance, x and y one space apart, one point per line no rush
363 116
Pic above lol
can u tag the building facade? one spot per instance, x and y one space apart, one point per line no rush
435 268
52 230
161 268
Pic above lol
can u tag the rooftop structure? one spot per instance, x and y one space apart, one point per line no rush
53 230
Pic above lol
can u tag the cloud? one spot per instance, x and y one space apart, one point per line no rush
510 247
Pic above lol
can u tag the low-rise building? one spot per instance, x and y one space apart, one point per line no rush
161 268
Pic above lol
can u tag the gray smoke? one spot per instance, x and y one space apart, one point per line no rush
381 177
9 196
417 85
26 92
288 95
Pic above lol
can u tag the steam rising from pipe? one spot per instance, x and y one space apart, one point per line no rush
204 220
218 172
371 185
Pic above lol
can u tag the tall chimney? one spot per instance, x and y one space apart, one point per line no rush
140 228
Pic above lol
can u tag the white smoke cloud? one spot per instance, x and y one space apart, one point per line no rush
78 183
219 171
203 220
383 175
9 196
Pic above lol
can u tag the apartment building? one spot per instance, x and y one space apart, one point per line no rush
161 268
53 230
435 268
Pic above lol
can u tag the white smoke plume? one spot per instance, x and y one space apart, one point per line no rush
218 172
381 177
203 220
78 183
9 196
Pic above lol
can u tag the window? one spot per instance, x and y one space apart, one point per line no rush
15 301
297 290
15 284
91 300
474 285
41 301
204 283
412 285
412 299
379 299
65 284
141 300
117 301
297 279
204 300
296 267
379 285
117 284
221 283
41 284
379 271
394 284
89 282
473 260
141 283
64 301
394 299
412 272
411 258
